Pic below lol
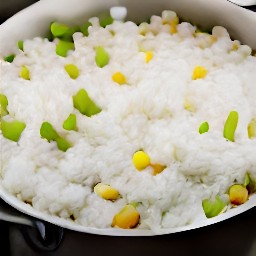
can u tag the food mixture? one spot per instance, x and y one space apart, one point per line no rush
114 124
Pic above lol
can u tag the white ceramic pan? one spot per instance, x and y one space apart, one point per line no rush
35 20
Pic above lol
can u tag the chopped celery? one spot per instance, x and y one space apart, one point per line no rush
70 123
213 207
204 127
12 130
72 70
101 57
63 47
10 58
21 45
251 128
105 19
25 73
59 29
84 104
84 28
249 183
48 132
63 144
3 105
230 126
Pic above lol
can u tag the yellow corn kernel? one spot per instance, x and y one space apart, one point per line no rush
148 56
235 46
188 105
173 28
106 192
24 73
119 78
157 168
127 218
199 72
141 160
252 129
238 194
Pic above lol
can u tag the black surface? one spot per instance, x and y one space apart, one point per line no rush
236 236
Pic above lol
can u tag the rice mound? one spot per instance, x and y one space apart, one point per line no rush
159 110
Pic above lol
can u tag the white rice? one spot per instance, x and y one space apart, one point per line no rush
147 113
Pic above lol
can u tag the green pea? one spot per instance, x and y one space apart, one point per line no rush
25 73
230 126
72 70
84 104
204 127
12 130
70 123
63 47
84 28
101 57
213 207
10 58
62 144
3 105
48 132
21 45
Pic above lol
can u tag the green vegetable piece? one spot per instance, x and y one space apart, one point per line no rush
72 70
12 130
204 127
3 105
230 126
25 73
84 104
105 19
63 144
252 129
70 123
59 29
213 207
48 132
249 183
84 28
101 57
63 47
10 58
21 45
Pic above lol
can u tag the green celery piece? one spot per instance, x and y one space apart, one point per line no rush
48 132
70 123
213 207
3 105
20 45
101 57
230 126
84 28
12 130
25 73
105 19
63 47
72 70
84 104
249 183
204 127
10 58
59 29
251 128
63 144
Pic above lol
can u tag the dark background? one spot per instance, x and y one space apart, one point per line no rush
236 236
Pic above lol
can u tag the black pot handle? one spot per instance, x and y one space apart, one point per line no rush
40 235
